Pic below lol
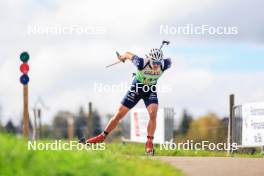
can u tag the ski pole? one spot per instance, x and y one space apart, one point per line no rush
118 56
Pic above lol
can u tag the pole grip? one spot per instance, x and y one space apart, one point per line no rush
118 56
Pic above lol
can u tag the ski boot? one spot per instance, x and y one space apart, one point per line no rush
97 139
149 147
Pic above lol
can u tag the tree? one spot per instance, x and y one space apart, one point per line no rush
208 127
60 124
46 131
10 128
1 128
80 123
185 123
96 128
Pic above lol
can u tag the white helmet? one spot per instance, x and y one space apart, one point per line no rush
156 54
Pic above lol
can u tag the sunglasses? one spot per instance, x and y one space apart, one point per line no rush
156 62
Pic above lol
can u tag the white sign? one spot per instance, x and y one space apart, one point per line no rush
139 122
253 124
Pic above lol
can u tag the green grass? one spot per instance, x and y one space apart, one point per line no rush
117 159
138 149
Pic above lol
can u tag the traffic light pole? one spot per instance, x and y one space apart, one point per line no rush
25 112
24 79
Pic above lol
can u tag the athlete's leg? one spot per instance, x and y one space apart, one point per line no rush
151 102
121 112
152 110
128 102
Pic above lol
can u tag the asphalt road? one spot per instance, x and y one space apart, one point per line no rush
217 166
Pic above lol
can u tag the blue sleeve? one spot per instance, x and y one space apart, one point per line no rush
166 64
138 62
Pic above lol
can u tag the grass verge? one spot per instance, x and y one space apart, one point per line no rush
138 149
15 159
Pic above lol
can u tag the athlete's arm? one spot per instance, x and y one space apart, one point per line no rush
166 64
127 56
137 61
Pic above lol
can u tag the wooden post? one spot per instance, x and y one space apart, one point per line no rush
25 112
35 135
40 124
231 116
89 122
70 128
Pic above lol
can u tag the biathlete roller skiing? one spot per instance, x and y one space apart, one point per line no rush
143 86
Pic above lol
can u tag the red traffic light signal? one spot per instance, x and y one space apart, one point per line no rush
24 68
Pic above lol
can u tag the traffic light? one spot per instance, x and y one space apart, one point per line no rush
24 79
24 68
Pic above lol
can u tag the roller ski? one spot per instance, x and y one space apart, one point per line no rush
94 140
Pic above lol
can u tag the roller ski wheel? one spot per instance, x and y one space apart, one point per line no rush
82 140
150 152
149 148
